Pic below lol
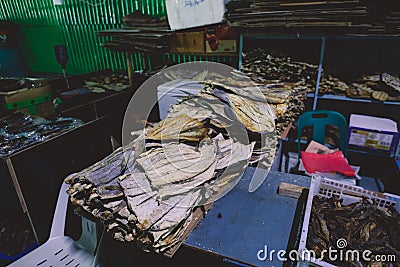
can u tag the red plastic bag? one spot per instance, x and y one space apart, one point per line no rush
335 162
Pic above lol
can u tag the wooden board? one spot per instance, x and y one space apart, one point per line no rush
286 131
290 190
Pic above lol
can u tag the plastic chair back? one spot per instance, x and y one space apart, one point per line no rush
61 250
319 119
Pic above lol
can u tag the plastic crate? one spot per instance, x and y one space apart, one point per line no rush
327 188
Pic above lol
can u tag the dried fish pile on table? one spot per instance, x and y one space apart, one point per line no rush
19 131
361 224
227 105
283 82
265 67
101 84
147 191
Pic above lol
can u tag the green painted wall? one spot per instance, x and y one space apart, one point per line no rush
75 24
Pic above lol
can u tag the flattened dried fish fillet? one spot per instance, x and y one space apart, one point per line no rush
230 176
169 189
239 152
256 116
177 171
136 180
178 213
181 127
151 211
139 199
101 172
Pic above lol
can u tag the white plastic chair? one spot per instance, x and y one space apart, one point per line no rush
60 250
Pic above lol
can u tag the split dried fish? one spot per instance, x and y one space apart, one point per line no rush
182 127
283 82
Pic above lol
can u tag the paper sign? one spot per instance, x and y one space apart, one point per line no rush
183 14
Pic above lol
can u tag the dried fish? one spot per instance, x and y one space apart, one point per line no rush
181 127
146 192
391 81
362 224
283 83
255 116
101 84
381 87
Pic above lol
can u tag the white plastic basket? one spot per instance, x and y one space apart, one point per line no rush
327 188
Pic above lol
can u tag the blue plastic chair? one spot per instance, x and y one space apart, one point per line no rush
319 119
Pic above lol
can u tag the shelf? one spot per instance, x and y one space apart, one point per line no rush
309 36
376 108
372 153
345 98
204 54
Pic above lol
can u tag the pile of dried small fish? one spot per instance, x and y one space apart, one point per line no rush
332 85
381 87
283 82
101 84
148 191
266 67
361 224
19 131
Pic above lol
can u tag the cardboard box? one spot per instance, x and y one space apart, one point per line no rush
34 101
372 133
187 42
221 39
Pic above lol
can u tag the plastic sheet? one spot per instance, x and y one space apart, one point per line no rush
335 162
19 131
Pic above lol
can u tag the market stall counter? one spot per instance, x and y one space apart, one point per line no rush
245 227
254 229
240 229
32 173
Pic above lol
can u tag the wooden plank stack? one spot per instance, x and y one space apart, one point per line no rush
141 33
332 16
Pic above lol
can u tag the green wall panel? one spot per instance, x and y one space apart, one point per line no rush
75 23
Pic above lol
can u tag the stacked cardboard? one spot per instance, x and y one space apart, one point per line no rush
333 16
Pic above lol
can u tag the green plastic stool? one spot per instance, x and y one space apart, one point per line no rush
318 119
